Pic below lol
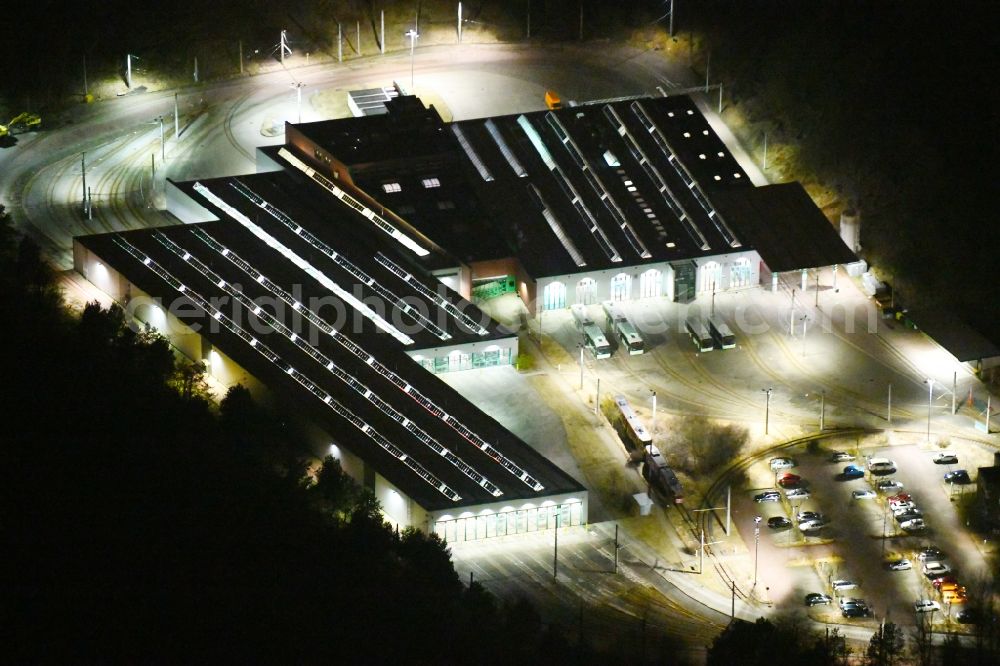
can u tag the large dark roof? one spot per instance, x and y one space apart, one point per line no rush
299 359
785 227
958 338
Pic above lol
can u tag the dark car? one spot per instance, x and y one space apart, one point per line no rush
853 472
958 476
767 496
968 616
931 554
910 514
778 523
803 516
856 611
817 599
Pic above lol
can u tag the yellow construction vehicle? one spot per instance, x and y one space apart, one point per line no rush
30 121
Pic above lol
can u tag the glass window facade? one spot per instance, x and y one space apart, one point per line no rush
463 361
506 523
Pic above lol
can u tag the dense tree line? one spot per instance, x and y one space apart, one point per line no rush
140 523
888 104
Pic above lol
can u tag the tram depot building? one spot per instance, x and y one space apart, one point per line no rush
338 278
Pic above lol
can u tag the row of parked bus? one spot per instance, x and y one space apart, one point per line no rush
707 334
619 325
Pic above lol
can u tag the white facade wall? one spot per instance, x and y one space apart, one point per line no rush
729 271
506 518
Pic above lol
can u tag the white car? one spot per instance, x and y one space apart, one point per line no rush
864 494
945 458
841 585
915 525
926 606
782 463
889 486
901 564
841 456
935 568
797 494
813 525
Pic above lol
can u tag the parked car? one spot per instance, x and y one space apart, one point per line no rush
790 480
968 616
935 569
813 525
931 554
782 463
767 496
881 466
959 476
901 506
817 599
926 606
867 493
954 596
841 456
797 494
803 516
901 497
914 525
902 564
944 580
778 523
853 472
888 485
844 602
945 458
843 584
908 513
856 611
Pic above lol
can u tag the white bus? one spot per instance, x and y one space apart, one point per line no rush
700 336
721 333
622 328
580 316
595 341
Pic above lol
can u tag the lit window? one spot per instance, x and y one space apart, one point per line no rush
431 182
391 187
705 132
701 155
721 154
736 175
671 244
687 135
718 177
690 112
670 113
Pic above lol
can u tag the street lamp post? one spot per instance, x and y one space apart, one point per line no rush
581 366
930 399
767 408
653 431
412 34
756 545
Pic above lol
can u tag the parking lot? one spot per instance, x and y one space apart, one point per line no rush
862 535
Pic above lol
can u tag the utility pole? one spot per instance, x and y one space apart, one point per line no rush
954 390
616 548
581 367
340 43
767 408
930 399
791 316
888 407
298 97
460 23
756 546
988 398
359 39
86 91
283 45
177 120
732 615
720 98
708 69
83 172
765 151
581 20
822 411
555 551
196 69
653 431
382 41
128 71
163 146
529 21
241 56
90 205
671 18
713 299
597 398
729 507
817 289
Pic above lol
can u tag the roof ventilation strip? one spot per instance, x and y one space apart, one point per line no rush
574 197
470 152
685 175
673 203
441 301
597 185
347 378
365 211
361 354
505 150
339 259
299 377
557 229
308 268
